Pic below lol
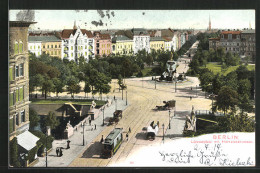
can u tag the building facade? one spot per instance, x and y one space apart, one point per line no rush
103 44
168 44
18 78
248 43
75 43
214 43
34 46
122 45
156 43
141 40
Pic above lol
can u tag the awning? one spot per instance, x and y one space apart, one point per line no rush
27 140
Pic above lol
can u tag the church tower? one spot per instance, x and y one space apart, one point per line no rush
209 24
75 27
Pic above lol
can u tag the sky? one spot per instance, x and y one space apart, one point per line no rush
125 19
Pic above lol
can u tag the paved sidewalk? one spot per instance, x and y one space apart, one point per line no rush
177 125
76 144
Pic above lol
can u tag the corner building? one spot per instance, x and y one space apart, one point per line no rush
18 78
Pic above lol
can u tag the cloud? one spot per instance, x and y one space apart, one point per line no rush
101 13
25 15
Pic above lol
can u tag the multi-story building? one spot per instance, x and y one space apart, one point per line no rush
231 41
183 38
214 43
18 78
248 43
122 45
45 45
168 44
75 43
141 40
103 44
156 43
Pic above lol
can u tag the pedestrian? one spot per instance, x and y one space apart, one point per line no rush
114 97
101 139
95 126
61 152
89 121
158 124
191 88
190 98
57 151
129 130
127 136
68 144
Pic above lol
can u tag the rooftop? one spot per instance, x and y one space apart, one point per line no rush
139 31
50 38
231 32
248 31
27 140
67 32
156 39
112 135
20 23
121 38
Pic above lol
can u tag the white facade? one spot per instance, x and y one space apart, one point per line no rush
77 45
35 47
141 42
183 39
175 42
168 45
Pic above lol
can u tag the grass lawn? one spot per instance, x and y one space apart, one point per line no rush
216 68
79 102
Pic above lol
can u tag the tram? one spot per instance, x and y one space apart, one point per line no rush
112 143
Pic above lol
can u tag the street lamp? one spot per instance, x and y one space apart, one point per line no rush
45 149
169 119
116 105
163 132
175 83
122 93
155 82
126 96
196 91
103 109
83 134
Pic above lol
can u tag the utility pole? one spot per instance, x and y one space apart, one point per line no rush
103 116
155 82
126 96
122 93
169 119
175 84
83 134
46 149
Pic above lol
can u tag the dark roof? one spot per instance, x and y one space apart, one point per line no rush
112 135
120 38
50 38
139 31
249 31
20 23
156 39
102 36
67 32
127 33
167 33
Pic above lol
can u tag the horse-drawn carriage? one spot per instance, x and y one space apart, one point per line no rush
116 115
167 105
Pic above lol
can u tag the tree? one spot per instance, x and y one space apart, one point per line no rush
73 86
227 98
244 103
51 120
87 88
33 118
58 85
206 81
242 72
244 87
14 153
47 86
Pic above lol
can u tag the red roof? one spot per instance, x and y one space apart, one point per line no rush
231 32
67 32
168 38
102 36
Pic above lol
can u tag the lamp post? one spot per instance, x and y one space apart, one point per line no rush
103 116
196 91
116 105
163 132
155 82
169 119
175 83
122 93
83 134
126 96
46 154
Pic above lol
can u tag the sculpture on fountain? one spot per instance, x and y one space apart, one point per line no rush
170 70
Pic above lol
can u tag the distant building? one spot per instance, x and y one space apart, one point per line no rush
122 45
18 78
156 43
231 41
141 40
103 44
248 43
168 44
214 43
77 42
49 44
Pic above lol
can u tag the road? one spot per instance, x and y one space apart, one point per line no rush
143 98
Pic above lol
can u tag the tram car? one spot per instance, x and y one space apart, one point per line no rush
112 143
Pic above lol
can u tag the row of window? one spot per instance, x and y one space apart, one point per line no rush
52 52
34 48
104 51
19 71
230 36
50 46
16 96
17 120
156 45
18 47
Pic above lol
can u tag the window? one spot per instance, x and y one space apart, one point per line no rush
16 48
55 52
229 36
59 46
23 116
33 47
11 99
30 47
16 71
11 75
21 94
238 36
85 53
17 119
44 46
51 46
21 47
17 95
71 48
237 44
71 54
55 46
21 69
48 46
11 125
38 47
